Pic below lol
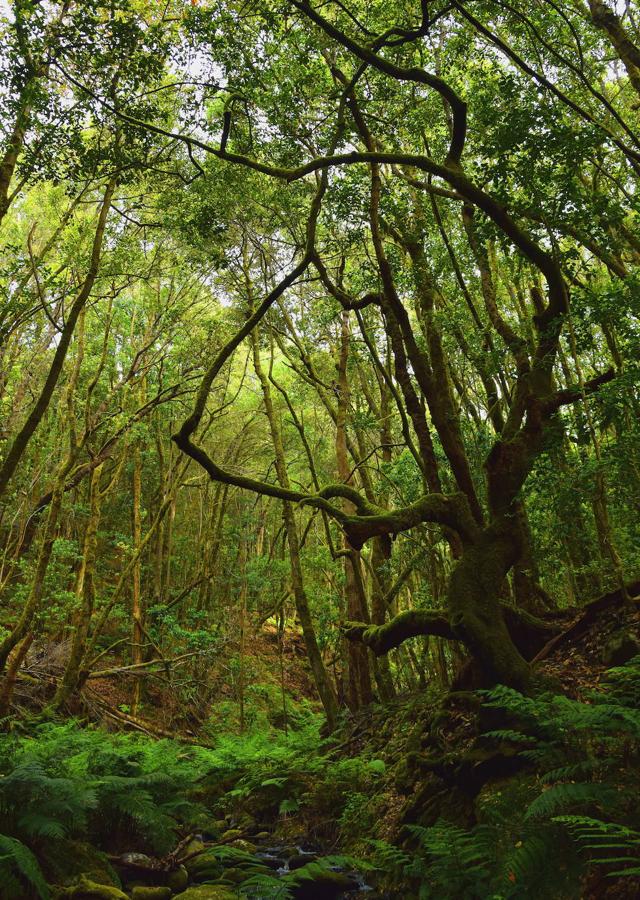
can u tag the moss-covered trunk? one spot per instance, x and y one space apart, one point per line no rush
474 604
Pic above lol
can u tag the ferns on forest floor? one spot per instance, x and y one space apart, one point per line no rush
579 812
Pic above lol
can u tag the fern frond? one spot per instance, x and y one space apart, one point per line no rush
17 859
567 794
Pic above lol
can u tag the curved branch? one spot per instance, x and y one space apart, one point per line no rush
409 624
414 74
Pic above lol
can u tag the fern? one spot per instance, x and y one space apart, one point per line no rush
452 862
388 857
18 865
568 794
622 844
266 887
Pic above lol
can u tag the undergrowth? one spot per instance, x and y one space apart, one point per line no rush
570 816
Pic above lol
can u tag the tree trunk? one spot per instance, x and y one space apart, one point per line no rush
320 674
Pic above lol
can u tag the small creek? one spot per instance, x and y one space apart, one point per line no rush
223 872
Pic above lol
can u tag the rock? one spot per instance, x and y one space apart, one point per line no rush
151 893
235 875
231 835
86 889
208 892
72 859
137 859
178 880
194 846
317 882
621 647
298 860
241 844
272 860
262 836
247 823
205 867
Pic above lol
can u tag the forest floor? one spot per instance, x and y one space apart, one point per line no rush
430 795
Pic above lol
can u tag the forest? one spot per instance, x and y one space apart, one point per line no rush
319 449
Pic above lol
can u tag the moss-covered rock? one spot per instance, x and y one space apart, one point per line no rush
232 834
194 846
316 881
205 867
65 861
208 892
620 648
178 879
241 844
151 893
235 875
86 889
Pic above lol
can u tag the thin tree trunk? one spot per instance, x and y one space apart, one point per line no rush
320 675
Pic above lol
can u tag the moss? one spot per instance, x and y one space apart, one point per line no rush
232 834
64 862
208 892
151 893
86 889
315 880
178 879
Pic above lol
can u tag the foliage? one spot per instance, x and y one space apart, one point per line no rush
65 781
577 811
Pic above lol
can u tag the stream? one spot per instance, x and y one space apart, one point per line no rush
242 869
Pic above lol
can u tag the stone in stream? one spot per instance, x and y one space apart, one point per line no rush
208 892
178 879
272 860
85 889
231 835
241 844
315 881
151 893
298 860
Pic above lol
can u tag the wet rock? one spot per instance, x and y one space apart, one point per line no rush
241 844
317 882
86 889
137 859
232 834
178 879
208 892
298 860
151 893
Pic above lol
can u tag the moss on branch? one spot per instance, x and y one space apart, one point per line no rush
414 622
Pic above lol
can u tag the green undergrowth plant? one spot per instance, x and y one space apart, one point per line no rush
569 815
114 791
270 775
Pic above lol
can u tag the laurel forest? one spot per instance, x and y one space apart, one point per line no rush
319 449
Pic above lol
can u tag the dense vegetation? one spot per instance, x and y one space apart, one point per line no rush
319 448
